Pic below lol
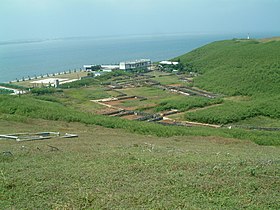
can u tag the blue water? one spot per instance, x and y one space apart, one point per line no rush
22 59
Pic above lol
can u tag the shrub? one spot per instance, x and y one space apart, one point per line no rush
5 91
228 112
186 103
42 91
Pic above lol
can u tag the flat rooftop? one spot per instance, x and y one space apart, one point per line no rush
48 81
136 61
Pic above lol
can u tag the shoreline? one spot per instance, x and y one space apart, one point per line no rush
48 75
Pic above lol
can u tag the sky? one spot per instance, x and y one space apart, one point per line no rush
38 19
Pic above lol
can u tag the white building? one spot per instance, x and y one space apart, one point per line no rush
102 67
90 67
53 82
169 63
142 63
110 67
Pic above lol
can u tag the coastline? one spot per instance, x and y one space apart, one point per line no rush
69 75
38 58
43 76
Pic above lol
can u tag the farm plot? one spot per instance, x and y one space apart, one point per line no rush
228 112
168 79
128 104
153 95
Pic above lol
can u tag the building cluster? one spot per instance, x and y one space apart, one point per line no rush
142 63
168 63
128 65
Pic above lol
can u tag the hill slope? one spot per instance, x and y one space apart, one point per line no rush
237 67
112 169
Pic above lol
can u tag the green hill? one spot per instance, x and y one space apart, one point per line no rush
237 67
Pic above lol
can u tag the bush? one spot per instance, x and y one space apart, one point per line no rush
236 67
5 91
186 103
43 91
228 112
9 85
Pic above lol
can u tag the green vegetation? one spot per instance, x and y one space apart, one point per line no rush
234 111
238 68
259 121
42 109
187 103
228 112
168 79
88 93
5 91
113 169
87 81
43 91
79 83
154 96
9 85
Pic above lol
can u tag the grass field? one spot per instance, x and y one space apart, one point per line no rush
112 169
260 121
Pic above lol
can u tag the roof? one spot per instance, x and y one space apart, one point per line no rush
48 81
136 61
169 62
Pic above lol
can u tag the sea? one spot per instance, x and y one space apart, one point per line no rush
27 58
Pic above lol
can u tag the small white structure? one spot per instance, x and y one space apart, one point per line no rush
142 63
110 67
56 83
52 82
169 63
89 67
248 36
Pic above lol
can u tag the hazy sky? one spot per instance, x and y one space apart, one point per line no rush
27 19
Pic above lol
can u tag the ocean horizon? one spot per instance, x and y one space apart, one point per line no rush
23 58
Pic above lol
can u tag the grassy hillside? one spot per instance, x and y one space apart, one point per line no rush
18 109
112 169
237 67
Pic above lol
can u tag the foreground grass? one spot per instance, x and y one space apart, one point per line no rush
111 169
